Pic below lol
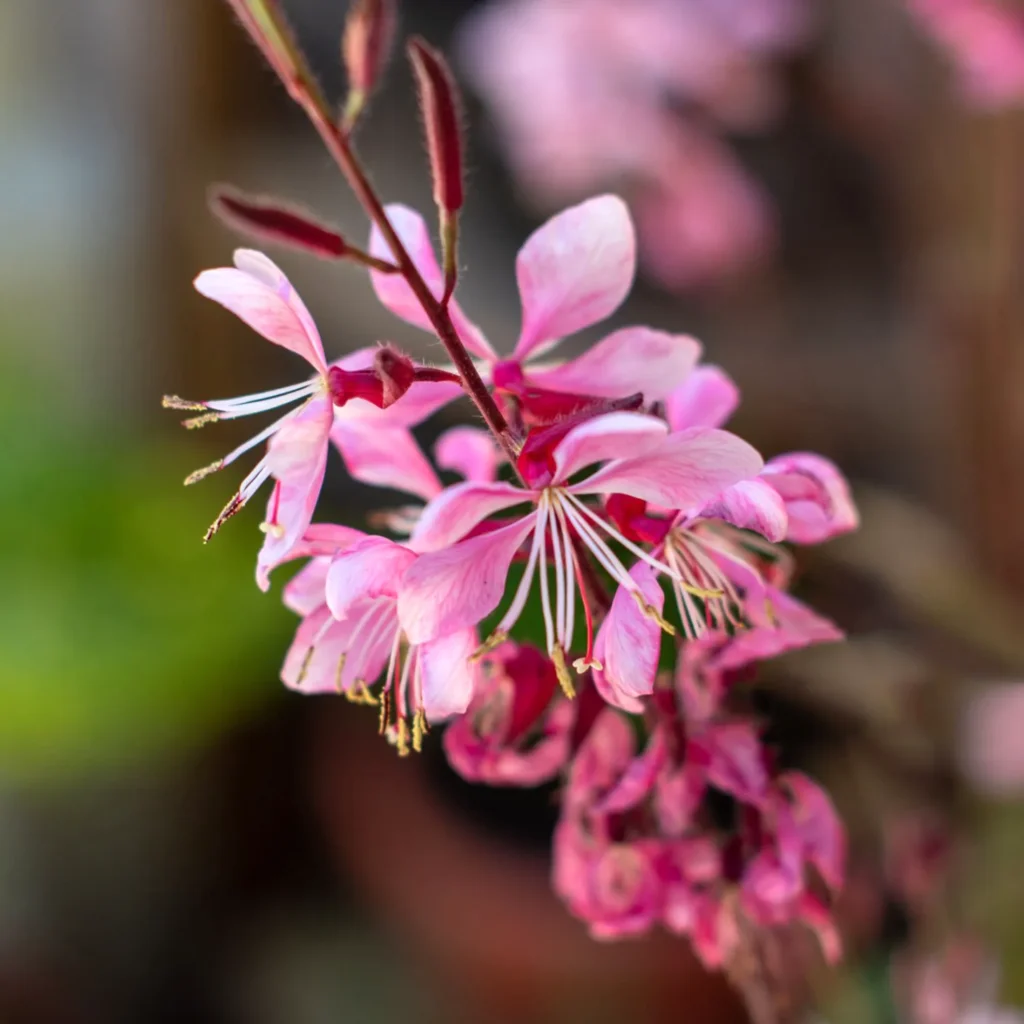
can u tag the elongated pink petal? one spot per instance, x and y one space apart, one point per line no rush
258 293
615 435
816 494
397 296
733 759
751 505
470 452
457 509
574 271
629 642
385 457
707 398
320 539
810 828
638 779
634 359
600 762
448 674
684 472
371 569
297 458
452 589
305 592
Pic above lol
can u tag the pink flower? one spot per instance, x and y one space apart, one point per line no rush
573 272
458 582
355 402
515 732
985 41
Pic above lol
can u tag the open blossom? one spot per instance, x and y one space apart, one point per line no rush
458 582
573 272
591 92
355 403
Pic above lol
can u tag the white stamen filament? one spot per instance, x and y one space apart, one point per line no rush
560 580
545 593
511 617
600 550
248 405
261 436
570 575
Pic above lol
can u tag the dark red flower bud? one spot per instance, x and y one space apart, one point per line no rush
271 221
439 99
396 373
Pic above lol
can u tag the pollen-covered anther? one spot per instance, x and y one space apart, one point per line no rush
419 730
183 404
587 664
338 674
495 640
202 474
360 694
275 530
307 660
230 509
652 613
202 421
562 671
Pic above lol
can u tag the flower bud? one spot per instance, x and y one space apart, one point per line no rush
366 45
266 24
396 373
270 221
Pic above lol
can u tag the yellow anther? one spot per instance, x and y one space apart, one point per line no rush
338 674
562 671
402 737
385 707
419 730
174 402
652 613
583 664
496 639
201 474
306 661
275 530
701 592
201 421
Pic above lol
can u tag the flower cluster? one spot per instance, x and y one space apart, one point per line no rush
597 91
607 498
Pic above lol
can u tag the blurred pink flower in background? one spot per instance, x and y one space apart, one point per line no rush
985 42
991 750
592 93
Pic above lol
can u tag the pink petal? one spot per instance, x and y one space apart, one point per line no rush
297 458
305 592
684 472
448 674
751 505
457 509
809 828
707 398
638 780
817 497
629 642
452 589
320 539
372 568
733 760
819 919
634 359
602 758
614 435
574 271
396 295
385 457
470 452
259 294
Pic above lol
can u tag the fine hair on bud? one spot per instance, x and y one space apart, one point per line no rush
367 43
439 100
270 220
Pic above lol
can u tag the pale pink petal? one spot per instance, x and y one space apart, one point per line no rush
452 589
395 293
574 271
385 457
684 472
457 509
600 761
992 753
305 592
470 452
810 828
638 780
707 398
733 759
258 293
632 360
817 497
615 435
372 568
629 642
819 919
751 505
447 673
320 539
297 458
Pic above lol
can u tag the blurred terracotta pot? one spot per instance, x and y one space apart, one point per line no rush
478 914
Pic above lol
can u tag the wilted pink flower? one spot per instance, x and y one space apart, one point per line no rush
572 272
985 42
517 728
455 585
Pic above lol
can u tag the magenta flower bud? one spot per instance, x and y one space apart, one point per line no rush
396 373
366 45
439 99
271 221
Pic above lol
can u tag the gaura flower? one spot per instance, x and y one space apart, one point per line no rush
355 402
457 582
573 272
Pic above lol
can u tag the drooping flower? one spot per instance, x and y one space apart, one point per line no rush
458 582
356 402
572 272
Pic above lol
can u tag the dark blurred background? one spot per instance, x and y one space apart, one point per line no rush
183 840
